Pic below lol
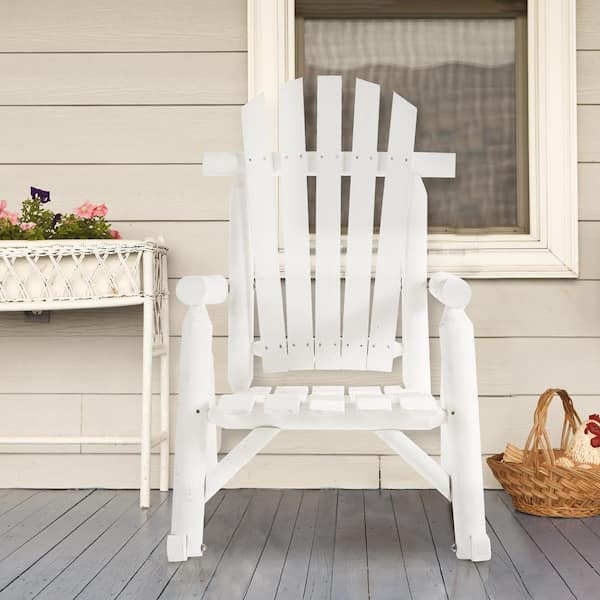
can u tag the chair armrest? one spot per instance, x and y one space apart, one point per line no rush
450 290
198 290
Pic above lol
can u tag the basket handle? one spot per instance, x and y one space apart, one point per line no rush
538 439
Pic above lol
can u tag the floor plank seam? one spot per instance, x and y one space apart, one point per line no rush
92 542
312 543
437 557
574 547
166 497
410 590
366 537
262 550
584 522
226 545
59 542
19 503
512 511
337 504
47 525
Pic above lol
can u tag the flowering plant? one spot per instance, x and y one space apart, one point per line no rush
36 222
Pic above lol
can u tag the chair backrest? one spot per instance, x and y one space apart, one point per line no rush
346 321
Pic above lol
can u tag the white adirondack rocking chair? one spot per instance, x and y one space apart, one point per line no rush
355 329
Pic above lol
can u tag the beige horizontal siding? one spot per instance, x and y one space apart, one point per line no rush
116 134
115 102
132 192
131 78
106 365
117 26
517 312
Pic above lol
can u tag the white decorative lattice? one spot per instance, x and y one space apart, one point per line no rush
77 270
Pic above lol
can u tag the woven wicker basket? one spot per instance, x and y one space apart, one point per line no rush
538 485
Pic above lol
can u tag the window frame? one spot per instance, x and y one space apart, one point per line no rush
550 249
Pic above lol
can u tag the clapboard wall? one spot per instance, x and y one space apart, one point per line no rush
115 102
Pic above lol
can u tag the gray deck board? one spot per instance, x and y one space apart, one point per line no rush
245 548
61 555
295 569
320 569
387 574
267 575
350 580
283 545
155 573
115 575
579 576
422 567
192 577
11 498
84 568
461 577
539 576
38 550
37 521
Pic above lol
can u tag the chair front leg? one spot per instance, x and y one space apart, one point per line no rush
461 449
196 395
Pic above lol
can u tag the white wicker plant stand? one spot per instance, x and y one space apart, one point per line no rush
70 274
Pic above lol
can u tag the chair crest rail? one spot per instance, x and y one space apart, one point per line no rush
424 164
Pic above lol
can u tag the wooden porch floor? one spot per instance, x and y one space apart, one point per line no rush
263 544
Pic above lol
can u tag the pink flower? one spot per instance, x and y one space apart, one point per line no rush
12 217
2 206
85 211
100 210
114 234
26 226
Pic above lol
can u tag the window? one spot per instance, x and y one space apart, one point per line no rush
494 82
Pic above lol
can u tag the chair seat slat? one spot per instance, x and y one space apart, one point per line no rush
328 216
263 226
357 293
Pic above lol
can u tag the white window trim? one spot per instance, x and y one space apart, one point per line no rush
551 247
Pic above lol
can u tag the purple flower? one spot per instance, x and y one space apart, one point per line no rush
42 195
56 219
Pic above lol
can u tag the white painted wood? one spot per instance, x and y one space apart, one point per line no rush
328 223
263 234
237 403
239 456
391 249
420 461
425 164
357 291
550 250
241 293
415 326
351 419
327 402
293 204
462 445
192 446
146 421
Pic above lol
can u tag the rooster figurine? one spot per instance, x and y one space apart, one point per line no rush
585 445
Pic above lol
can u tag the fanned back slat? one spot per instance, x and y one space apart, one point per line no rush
357 292
392 232
328 223
415 327
293 201
262 215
